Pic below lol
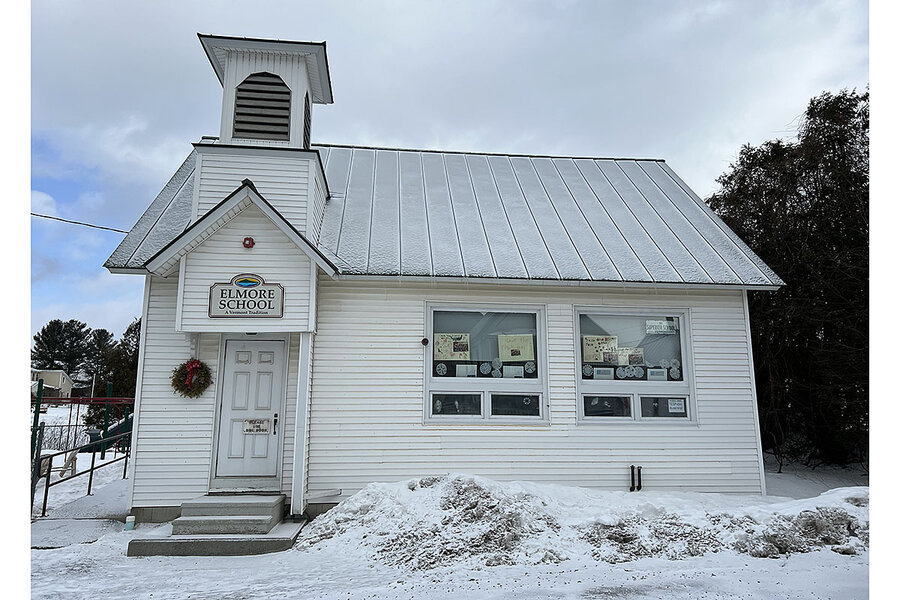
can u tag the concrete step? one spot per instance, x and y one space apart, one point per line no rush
234 505
280 538
206 524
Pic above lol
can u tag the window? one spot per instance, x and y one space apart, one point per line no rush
485 365
656 406
632 365
456 404
607 406
262 108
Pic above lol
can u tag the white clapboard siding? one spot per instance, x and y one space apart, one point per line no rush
289 423
222 256
282 178
366 407
316 209
173 450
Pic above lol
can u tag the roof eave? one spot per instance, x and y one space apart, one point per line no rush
318 49
126 270
167 252
399 279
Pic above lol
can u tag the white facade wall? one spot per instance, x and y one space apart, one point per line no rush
317 210
174 435
365 418
222 256
281 177
367 397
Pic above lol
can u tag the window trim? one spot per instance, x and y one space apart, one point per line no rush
636 389
538 386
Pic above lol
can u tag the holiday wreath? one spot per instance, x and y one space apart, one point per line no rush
191 378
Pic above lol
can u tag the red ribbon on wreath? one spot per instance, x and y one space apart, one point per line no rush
191 366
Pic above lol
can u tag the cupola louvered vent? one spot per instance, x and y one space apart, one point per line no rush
262 108
307 121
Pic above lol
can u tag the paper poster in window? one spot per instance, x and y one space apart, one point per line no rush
631 356
593 346
676 405
514 348
451 346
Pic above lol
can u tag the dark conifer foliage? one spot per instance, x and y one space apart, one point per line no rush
91 355
61 345
803 206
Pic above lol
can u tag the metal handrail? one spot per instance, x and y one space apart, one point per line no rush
49 458
94 443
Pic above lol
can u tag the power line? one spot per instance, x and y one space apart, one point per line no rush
78 223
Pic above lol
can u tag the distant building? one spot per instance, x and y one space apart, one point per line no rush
57 383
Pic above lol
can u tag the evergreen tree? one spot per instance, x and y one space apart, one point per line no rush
61 345
125 361
803 206
101 345
122 372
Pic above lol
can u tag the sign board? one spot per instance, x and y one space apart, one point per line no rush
661 327
246 295
256 426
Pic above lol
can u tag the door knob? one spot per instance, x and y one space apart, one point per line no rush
275 425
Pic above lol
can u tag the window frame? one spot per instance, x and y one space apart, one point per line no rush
486 386
636 389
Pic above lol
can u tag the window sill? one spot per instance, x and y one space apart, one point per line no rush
627 422
532 422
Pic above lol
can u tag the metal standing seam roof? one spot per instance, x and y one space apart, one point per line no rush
422 213
453 214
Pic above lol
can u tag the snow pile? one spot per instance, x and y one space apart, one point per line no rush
474 522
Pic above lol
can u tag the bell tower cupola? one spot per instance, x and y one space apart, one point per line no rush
268 88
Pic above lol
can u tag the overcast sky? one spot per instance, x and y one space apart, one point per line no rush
121 89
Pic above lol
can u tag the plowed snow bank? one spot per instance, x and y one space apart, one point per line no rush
460 519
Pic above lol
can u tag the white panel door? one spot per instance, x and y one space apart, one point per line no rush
252 401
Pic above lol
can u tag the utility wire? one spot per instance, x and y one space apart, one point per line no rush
78 223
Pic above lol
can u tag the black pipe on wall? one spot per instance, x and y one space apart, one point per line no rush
631 489
639 479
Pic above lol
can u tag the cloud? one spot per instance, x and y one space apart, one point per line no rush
689 82
43 203
685 81
114 315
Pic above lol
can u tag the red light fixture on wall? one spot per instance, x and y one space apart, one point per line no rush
248 242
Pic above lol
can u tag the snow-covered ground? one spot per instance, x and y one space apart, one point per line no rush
799 481
468 537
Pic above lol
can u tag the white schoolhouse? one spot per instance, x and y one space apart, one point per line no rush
374 314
